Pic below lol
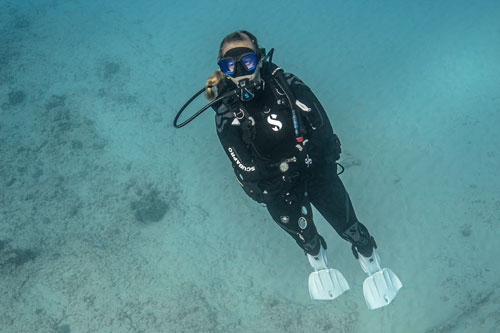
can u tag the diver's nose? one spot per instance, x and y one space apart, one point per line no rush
239 70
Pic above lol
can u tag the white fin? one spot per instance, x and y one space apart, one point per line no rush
381 285
325 283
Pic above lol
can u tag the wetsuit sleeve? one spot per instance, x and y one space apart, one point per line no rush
323 142
231 139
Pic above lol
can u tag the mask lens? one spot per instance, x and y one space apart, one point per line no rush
249 61
226 66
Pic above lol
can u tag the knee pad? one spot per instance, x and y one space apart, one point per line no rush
357 234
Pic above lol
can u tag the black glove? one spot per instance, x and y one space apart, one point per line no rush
277 187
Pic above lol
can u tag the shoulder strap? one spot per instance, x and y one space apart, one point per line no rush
241 114
279 78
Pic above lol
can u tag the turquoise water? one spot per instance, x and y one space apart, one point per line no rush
111 220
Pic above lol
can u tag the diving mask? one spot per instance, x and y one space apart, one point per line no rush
239 61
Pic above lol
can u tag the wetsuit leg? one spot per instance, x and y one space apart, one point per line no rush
296 219
329 196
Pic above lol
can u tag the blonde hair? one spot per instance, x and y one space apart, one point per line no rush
217 76
212 82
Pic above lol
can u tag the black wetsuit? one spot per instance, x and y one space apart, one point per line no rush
311 178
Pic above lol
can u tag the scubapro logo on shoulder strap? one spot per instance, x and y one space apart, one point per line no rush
277 125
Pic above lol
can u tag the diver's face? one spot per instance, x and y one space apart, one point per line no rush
232 50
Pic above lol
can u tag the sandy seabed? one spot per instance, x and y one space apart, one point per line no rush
111 220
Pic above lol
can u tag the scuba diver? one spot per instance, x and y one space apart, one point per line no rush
284 153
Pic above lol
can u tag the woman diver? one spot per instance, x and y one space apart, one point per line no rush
283 150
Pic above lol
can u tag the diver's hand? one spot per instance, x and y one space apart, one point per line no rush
281 185
266 170
274 187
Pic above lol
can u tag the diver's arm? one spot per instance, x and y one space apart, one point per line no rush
316 119
323 142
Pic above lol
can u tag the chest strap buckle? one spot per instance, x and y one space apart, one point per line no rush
239 114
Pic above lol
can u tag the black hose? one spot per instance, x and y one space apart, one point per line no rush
341 170
269 56
184 106
229 93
